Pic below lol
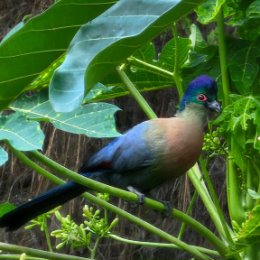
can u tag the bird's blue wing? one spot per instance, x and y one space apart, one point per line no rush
127 152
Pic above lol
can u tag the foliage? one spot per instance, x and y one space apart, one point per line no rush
249 232
79 236
94 120
41 43
83 50
5 207
21 133
214 143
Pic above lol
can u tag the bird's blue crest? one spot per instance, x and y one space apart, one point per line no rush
202 84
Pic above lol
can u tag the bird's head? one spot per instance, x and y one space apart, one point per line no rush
202 91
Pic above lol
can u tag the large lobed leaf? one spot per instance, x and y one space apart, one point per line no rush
105 42
32 46
22 134
208 11
93 120
3 156
244 126
243 64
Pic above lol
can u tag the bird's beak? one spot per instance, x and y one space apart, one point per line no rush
214 105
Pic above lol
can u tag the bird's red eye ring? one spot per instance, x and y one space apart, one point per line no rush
202 97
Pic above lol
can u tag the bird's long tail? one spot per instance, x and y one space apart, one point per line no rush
41 204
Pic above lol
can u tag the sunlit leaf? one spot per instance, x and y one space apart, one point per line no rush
3 156
253 194
107 41
44 77
31 47
13 31
94 120
144 78
22 134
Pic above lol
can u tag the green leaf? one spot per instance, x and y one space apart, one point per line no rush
13 31
243 64
41 41
253 11
196 38
107 41
256 118
167 57
200 52
245 15
242 129
94 120
207 11
243 109
22 134
253 194
3 156
44 77
249 231
5 207
202 58
144 78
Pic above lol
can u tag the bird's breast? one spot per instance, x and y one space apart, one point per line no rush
178 146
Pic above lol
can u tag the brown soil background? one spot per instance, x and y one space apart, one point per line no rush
18 183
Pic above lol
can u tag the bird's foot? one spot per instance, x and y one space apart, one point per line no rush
139 194
168 208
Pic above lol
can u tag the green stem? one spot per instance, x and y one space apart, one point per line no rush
257 170
252 251
235 207
214 197
153 204
162 245
94 249
21 156
223 56
149 227
37 253
250 184
176 72
135 93
191 204
195 176
152 67
18 257
47 235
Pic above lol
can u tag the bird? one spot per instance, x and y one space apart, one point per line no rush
147 155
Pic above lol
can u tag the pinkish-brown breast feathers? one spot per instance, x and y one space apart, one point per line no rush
181 145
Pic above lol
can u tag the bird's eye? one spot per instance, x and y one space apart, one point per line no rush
202 97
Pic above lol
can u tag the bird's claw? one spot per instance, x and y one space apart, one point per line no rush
168 209
140 199
139 194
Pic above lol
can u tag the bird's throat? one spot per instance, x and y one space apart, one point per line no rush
195 113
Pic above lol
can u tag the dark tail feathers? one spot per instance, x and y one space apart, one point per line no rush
41 204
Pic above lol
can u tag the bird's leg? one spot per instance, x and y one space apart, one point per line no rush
139 194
